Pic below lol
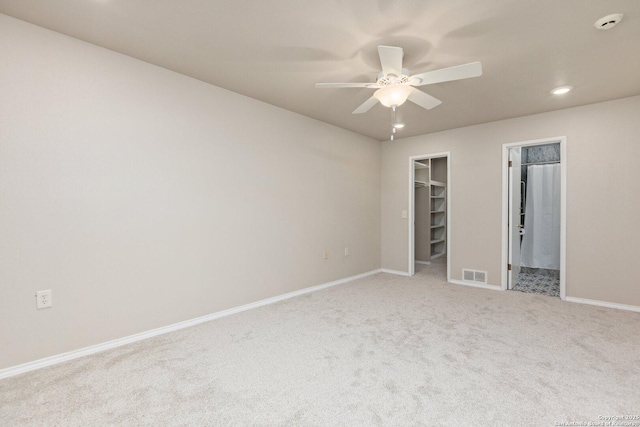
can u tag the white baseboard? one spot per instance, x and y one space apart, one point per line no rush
59 358
476 285
423 262
603 304
396 272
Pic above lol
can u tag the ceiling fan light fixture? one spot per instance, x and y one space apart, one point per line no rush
561 90
393 95
398 125
395 85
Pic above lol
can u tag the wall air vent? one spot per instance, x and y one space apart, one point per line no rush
474 276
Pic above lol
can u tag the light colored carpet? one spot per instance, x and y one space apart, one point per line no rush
384 350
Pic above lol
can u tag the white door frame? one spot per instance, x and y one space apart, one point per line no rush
563 206
515 171
411 216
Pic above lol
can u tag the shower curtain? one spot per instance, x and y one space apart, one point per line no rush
541 241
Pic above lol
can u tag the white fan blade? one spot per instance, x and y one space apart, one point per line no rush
391 60
424 100
458 72
340 85
366 106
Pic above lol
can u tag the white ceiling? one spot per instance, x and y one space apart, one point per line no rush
276 50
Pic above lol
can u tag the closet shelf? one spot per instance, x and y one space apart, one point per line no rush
437 212
437 241
437 226
419 165
437 197
420 184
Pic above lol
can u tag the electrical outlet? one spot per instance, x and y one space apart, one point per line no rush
326 254
346 251
44 299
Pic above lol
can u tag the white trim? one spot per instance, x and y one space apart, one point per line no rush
447 248
604 304
423 262
504 262
74 354
396 272
563 218
476 285
411 209
411 216
563 207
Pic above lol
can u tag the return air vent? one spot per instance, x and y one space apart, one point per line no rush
474 276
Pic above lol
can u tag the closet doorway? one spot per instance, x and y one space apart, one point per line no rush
429 218
534 219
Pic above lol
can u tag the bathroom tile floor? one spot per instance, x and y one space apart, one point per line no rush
539 281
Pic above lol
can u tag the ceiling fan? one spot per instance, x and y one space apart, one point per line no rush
396 84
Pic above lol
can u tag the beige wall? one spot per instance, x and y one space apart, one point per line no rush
603 184
439 169
143 198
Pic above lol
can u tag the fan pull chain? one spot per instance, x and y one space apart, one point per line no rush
393 120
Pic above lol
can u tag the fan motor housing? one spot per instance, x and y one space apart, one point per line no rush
392 79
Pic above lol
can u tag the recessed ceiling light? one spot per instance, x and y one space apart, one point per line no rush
561 90
609 21
398 125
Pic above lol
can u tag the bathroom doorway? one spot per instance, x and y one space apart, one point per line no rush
534 217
